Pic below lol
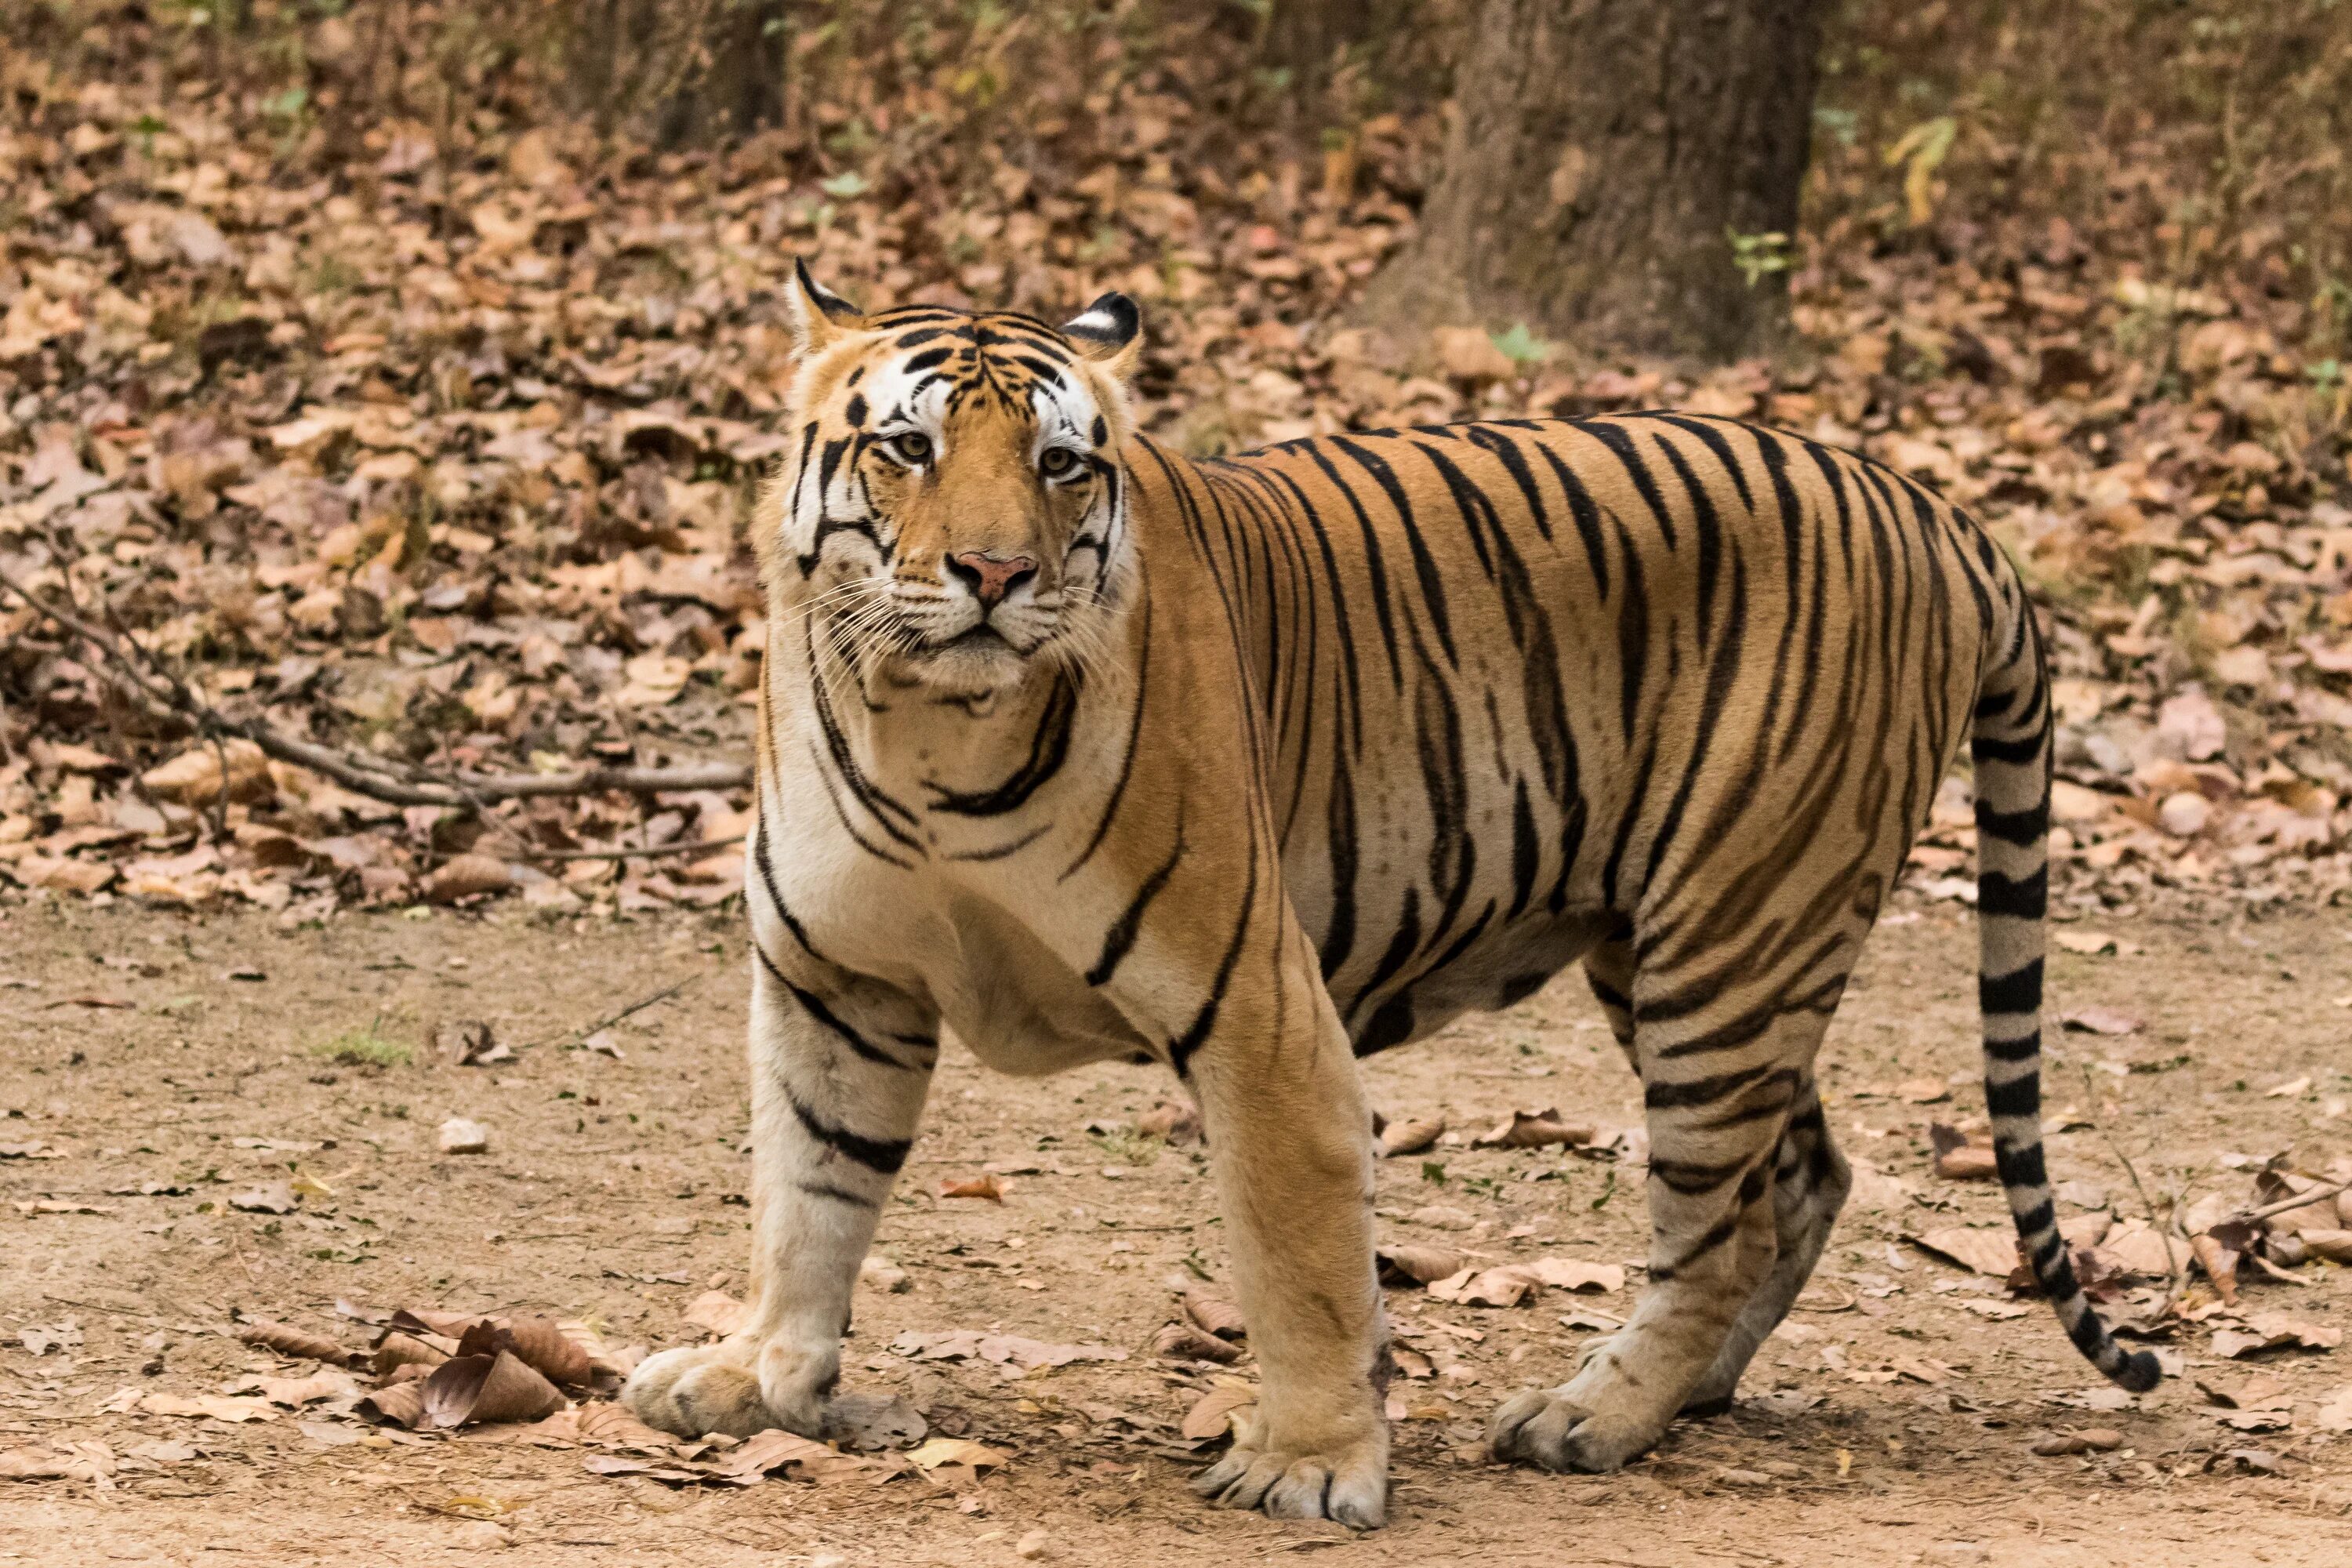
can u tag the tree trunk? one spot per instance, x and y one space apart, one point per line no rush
1604 154
681 74
1301 36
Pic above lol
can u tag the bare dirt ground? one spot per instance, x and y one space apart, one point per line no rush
611 1191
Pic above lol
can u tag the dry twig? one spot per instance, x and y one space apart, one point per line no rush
164 692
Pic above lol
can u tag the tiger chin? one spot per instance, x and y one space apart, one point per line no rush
1083 749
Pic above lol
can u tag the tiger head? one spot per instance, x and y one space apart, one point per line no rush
954 504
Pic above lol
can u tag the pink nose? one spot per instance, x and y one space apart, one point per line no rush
990 577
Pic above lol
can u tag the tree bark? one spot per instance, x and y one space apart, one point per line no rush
1301 36
1603 154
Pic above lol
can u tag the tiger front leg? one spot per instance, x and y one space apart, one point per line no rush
1289 1139
838 1081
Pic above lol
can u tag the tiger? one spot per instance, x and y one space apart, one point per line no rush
1082 749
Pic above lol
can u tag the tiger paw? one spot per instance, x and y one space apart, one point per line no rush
736 1387
1548 1427
1348 1485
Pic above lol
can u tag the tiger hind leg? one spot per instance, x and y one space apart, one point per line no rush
1717 1117
1811 1179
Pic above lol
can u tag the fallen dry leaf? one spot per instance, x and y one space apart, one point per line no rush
469 1042
2097 1020
487 1388
985 1185
1989 1252
1212 1414
396 1348
2090 943
466 877
1533 1129
1411 1137
768 1453
1474 1287
210 1406
2092 1440
2220 1263
543 1345
274 1197
296 1392
718 1312
874 1422
1403 1263
301 1344
1215 1315
1574 1274
1182 1341
2275 1331
1960 1158
961 1451
1005 1350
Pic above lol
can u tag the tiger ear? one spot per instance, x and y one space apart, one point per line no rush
1109 332
818 315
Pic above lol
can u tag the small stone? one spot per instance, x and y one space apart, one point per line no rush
482 1535
1957 1552
884 1275
460 1136
828 1560
1734 1477
1034 1545
2184 813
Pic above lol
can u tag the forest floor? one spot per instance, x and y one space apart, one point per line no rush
1892 1421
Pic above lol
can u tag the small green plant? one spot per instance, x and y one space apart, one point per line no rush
1127 1147
365 1047
1520 346
1432 1172
1758 256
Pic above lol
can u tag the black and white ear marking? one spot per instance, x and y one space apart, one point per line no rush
1109 331
818 314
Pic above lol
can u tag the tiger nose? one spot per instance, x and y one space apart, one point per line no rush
990 577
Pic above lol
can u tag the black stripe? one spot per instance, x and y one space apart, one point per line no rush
2020 827
838 1194
1134 737
883 1156
1181 1049
2017 753
1049 747
1525 851
2026 898
2019 991
768 879
1340 938
1121 935
2018 1097
1424 566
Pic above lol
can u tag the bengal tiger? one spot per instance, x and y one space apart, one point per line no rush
1083 749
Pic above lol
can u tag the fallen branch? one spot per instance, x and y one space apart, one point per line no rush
165 692
586 1030
696 846
2300 1200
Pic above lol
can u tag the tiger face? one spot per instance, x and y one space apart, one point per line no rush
953 507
